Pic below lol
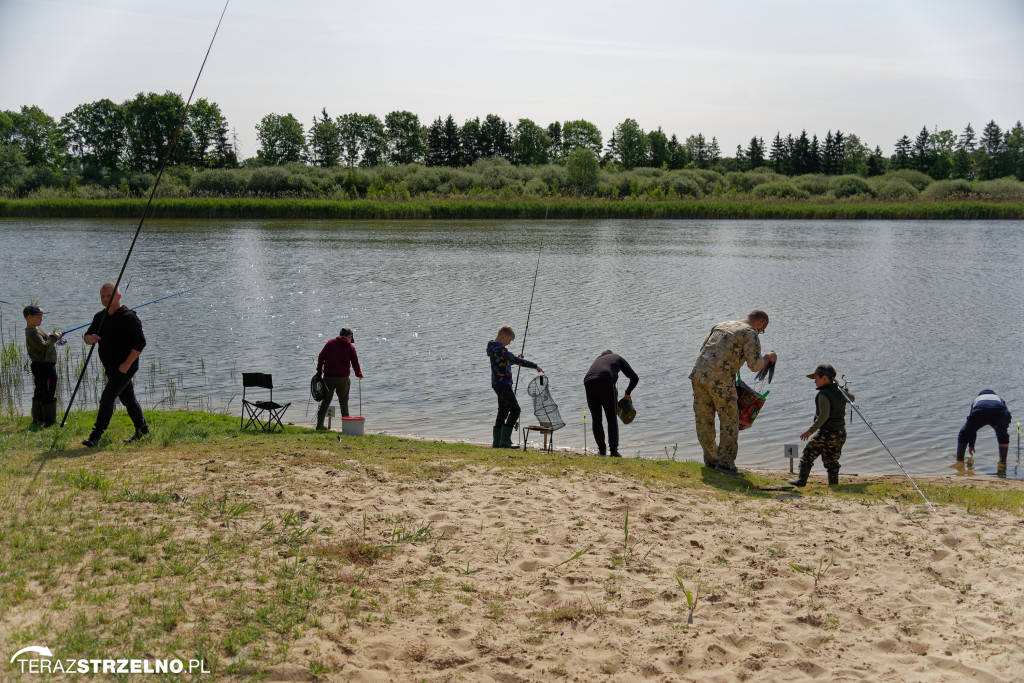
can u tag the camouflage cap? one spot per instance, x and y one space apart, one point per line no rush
823 370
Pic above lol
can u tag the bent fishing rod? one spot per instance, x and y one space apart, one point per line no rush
854 406
169 296
145 212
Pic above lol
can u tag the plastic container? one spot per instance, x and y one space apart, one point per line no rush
625 410
353 426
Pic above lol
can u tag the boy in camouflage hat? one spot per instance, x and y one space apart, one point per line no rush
829 422
42 350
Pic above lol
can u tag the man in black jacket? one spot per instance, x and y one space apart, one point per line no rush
118 331
599 384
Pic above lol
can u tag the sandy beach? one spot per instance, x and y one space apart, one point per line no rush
482 570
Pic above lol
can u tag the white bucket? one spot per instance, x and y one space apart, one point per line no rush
353 426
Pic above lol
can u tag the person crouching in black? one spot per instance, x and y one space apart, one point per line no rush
121 342
599 384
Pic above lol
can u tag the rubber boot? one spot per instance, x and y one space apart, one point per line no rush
497 438
37 411
961 449
1003 449
50 414
805 471
833 477
506 438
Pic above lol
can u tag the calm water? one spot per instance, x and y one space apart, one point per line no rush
920 316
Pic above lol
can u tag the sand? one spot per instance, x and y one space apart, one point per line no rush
903 601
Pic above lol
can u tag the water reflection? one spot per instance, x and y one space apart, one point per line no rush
919 315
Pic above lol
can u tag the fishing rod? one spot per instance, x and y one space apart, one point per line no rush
529 311
169 296
849 398
145 212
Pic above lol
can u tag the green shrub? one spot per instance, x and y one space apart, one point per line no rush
275 180
894 189
814 184
947 189
683 184
850 186
141 183
745 182
1002 189
535 187
221 182
916 178
782 189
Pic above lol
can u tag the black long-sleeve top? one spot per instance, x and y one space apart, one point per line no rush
607 367
121 334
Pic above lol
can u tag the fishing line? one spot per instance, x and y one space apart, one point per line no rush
529 311
145 212
169 296
854 406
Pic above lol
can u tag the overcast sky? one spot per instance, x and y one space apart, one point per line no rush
879 69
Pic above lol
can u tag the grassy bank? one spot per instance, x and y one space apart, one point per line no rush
241 549
441 209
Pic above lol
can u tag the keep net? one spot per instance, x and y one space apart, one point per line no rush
544 407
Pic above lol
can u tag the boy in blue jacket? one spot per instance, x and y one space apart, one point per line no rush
501 381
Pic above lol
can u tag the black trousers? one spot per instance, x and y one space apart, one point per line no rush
601 397
119 387
508 407
44 376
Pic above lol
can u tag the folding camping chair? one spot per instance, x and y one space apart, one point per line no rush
262 414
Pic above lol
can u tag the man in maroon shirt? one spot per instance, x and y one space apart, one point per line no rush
337 356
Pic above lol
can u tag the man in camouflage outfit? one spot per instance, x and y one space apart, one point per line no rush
727 348
829 422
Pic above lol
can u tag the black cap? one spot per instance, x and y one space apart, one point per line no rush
346 332
823 370
32 310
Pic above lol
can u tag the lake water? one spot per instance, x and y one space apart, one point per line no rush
919 316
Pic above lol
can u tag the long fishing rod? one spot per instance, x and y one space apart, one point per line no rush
145 212
529 312
169 296
854 406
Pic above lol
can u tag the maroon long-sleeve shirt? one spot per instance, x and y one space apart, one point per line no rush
336 358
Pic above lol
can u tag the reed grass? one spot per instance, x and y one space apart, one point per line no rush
552 208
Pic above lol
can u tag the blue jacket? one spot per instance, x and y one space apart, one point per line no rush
501 364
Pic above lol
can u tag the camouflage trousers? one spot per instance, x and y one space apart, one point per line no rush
717 397
828 444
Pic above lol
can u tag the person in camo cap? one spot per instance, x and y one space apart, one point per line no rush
830 425
727 348
42 349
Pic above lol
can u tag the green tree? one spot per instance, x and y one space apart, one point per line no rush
324 141
282 140
406 138
471 140
876 162
967 140
755 152
582 169
920 153
13 166
581 133
350 135
632 144
1013 146
554 131
530 147
991 151
657 149
96 134
941 144
901 159
676 153
224 154
203 122
495 137
779 156
150 123
435 143
800 159
698 150
855 156
373 140
38 137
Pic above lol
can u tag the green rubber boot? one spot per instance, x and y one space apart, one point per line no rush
961 449
1004 448
506 438
833 477
37 411
805 471
50 414
497 438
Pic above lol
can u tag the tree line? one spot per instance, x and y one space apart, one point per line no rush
103 142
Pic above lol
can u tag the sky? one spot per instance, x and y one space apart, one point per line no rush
727 69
